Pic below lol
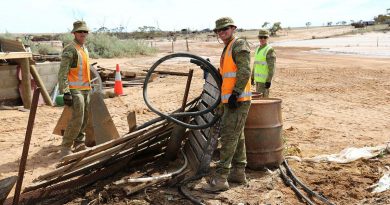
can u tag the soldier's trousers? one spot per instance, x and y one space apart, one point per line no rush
260 88
75 131
232 152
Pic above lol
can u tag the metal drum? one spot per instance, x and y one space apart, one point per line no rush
263 133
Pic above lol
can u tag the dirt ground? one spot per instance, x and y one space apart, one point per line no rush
330 102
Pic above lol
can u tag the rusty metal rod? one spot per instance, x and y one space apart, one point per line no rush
187 90
26 146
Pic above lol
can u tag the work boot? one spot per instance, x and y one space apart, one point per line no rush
237 175
65 151
216 184
79 146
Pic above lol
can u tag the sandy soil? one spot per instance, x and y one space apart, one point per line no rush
330 102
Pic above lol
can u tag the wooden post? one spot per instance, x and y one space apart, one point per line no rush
188 48
26 82
173 50
40 83
26 146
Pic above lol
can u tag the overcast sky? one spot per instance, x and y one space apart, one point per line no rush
46 16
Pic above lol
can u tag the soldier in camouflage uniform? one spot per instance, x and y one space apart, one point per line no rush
74 83
264 64
236 96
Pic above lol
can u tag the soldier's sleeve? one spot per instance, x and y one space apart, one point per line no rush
253 67
271 61
241 56
66 62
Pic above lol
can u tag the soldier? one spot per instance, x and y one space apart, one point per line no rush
236 99
264 65
74 83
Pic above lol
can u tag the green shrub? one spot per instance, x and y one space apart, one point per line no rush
43 49
102 45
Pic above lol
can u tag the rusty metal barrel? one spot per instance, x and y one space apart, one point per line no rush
263 133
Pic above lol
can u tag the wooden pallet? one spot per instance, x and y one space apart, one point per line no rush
201 144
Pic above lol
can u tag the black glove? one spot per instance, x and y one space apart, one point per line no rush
68 99
267 85
232 102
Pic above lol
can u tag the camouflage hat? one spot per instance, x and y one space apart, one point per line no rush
224 22
263 32
80 26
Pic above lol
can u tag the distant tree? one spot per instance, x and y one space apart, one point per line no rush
382 18
343 23
329 23
275 28
265 24
102 29
308 24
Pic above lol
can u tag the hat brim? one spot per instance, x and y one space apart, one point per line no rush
223 26
266 35
81 28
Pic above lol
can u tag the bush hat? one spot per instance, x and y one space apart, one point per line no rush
223 22
80 26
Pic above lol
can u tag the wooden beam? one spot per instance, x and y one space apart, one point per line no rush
40 83
15 55
165 72
26 82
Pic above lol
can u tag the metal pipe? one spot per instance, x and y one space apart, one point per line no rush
307 189
293 187
155 178
26 146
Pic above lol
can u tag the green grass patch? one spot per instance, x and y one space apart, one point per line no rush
101 45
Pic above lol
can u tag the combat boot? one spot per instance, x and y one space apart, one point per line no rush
237 175
65 151
216 184
79 146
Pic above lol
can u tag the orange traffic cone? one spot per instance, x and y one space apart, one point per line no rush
118 89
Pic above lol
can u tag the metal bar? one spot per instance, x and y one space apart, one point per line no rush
187 90
26 145
294 188
307 189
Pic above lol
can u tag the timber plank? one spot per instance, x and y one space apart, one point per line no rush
15 55
211 90
200 138
193 161
208 99
196 147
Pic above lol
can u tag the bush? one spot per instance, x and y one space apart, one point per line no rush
102 45
43 49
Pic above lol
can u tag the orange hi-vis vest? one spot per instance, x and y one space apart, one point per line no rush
79 77
228 70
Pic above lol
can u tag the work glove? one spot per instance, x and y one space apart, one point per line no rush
267 85
68 100
232 102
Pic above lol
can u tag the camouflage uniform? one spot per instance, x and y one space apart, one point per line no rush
75 131
233 152
271 59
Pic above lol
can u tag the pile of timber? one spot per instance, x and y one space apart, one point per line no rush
129 78
86 167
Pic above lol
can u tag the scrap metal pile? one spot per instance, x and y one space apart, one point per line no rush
148 143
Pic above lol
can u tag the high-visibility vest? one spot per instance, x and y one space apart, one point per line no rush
228 70
261 66
79 77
